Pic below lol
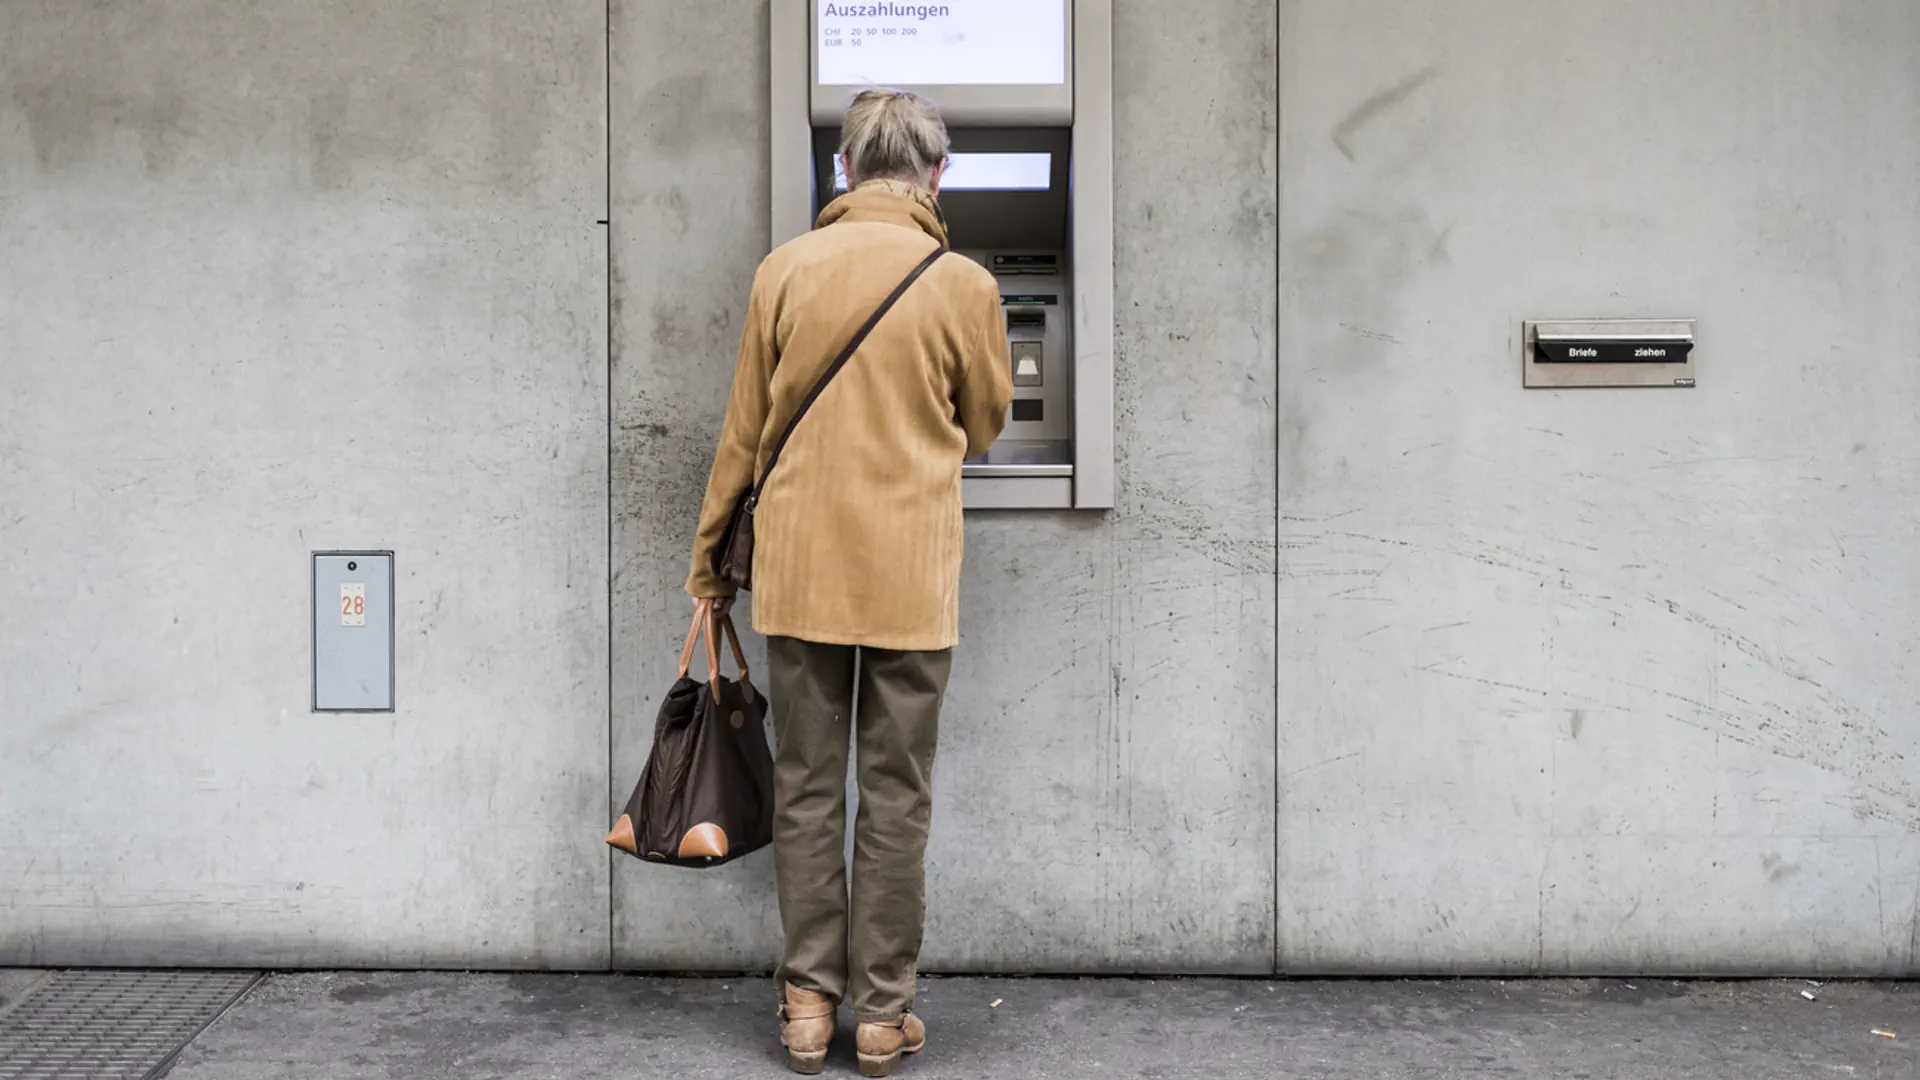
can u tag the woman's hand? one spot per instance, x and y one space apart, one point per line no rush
722 606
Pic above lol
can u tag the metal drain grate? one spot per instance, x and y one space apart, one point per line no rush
112 1025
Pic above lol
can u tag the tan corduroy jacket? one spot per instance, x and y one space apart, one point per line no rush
857 537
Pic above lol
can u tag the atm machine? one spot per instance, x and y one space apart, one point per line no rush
1026 88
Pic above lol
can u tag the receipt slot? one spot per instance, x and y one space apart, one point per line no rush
1026 88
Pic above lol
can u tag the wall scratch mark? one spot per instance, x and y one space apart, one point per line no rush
1540 910
1430 669
1304 769
1373 107
1913 934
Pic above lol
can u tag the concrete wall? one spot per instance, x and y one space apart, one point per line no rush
688 137
1599 681
277 277
1105 788
1382 664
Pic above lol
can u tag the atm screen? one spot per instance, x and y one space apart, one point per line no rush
950 43
984 172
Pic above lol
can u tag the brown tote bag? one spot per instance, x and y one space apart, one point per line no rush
706 795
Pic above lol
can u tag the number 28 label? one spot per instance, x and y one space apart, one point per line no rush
353 604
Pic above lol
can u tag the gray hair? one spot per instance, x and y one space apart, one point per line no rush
893 135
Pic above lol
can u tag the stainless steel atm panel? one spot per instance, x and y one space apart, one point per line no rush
1026 89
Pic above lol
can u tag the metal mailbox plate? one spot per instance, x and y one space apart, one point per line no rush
1539 375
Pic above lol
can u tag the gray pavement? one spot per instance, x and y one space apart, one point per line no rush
471 1027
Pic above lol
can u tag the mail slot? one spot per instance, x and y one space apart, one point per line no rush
1612 352
1608 352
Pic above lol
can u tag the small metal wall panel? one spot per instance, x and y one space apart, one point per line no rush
353 631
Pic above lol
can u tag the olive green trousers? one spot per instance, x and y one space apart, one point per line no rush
858 944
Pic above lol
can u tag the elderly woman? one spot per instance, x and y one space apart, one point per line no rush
857 558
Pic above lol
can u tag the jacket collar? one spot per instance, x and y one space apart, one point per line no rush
894 202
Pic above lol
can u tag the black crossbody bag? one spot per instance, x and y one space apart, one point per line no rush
733 555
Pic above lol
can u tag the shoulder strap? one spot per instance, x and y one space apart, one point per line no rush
840 361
